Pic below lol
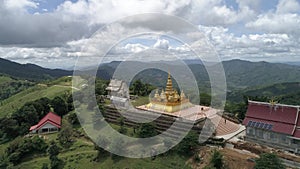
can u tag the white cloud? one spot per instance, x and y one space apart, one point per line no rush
135 48
288 6
57 37
252 4
277 23
285 20
20 4
162 44
277 47
215 12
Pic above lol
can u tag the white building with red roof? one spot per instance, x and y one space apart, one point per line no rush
275 125
50 123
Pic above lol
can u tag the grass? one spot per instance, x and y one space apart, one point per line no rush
17 101
141 100
64 81
5 79
82 159
81 155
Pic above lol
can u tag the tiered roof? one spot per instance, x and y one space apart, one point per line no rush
274 117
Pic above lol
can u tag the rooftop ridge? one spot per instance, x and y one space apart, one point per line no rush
277 104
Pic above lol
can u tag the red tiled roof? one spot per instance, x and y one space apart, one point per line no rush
49 118
277 126
284 118
277 113
297 133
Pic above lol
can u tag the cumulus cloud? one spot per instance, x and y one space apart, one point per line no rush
252 46
284 20
277 23
162 44
52 38
20 4
18 27
135 48
288 6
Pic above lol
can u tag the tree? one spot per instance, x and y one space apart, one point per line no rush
70 103
73 119
187 145
42 106
147 130
65 135
21 147
268 161
122 128
205 99
100 87
45 166
9 128
27 114
137 87
53 151
59 105
217 160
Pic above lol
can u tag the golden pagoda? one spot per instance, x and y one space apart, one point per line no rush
169 100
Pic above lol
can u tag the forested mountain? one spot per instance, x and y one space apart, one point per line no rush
239 74
246 74
285 93
30 71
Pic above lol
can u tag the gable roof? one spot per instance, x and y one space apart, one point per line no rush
51 118
283 118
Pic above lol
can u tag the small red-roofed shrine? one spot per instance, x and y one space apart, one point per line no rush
50 123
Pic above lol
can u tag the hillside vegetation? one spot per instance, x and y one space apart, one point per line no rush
239 74
15 102
286 93
30 71
10 86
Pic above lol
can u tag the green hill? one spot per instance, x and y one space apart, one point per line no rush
240 74
50 90
30 71
10 86
248 74
286 93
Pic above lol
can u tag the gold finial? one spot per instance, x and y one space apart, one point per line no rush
272 102
169 87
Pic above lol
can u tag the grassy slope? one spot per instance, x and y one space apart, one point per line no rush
82 157
81 154
5 79
18 100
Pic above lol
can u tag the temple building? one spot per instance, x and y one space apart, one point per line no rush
273 124
118 93
171 106
169 100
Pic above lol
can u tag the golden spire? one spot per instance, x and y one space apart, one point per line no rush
169 87
156 96
162 95
182 95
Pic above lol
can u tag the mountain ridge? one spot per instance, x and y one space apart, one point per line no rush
30 71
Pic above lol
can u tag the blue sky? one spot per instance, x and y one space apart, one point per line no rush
47 6
52 33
